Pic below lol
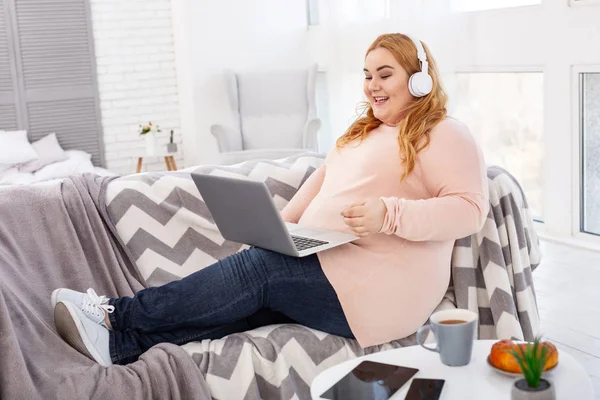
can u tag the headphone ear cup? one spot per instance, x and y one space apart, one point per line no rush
420 84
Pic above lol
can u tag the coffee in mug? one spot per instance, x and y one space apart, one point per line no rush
455 331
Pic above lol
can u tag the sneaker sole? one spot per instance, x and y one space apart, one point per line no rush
53 297
69 328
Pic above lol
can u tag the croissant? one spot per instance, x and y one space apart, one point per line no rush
501 358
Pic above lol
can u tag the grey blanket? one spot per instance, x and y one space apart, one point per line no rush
53 236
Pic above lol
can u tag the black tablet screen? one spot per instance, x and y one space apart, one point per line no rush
370 380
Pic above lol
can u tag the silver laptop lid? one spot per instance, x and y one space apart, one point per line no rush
244 212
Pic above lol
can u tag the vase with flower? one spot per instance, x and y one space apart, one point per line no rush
149 132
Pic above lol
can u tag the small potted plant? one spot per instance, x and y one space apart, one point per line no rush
171 146
149 131
532 359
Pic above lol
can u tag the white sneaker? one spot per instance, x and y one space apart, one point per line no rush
84 335
92 305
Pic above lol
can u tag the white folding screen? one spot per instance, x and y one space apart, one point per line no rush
8 101
49 44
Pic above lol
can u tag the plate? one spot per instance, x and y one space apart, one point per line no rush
512 374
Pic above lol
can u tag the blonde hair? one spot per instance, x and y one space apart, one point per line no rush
421 115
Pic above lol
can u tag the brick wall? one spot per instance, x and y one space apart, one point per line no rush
136 78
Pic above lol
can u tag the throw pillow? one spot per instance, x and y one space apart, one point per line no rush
79 154
48 150
15 148
76 163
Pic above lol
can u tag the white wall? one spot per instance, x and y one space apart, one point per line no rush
237 34
136 77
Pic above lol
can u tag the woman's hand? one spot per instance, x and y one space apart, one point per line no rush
365 217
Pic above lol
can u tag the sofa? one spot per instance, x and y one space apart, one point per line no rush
122 234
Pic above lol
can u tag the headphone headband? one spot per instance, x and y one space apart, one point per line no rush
421 55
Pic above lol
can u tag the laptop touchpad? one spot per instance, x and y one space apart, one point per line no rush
308 232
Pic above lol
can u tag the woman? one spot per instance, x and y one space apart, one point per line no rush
405 178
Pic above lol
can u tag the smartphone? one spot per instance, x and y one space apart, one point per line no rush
425 389
370 380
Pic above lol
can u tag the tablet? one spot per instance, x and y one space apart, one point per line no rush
370 380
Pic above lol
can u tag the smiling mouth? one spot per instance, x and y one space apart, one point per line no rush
380 100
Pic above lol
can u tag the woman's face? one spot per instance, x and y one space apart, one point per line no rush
386 86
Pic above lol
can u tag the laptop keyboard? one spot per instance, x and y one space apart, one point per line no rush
303 243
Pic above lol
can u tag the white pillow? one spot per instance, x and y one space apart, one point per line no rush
15 148
77 163
80 154
48 150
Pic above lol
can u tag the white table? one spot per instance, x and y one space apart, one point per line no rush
169 160
474 381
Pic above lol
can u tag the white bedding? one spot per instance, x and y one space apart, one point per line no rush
10 177
24 163
77 162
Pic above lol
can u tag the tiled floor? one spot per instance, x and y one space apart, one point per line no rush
567 284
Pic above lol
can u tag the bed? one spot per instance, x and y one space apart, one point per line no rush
77 163
44 160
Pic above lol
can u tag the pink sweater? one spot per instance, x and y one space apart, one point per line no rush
389 283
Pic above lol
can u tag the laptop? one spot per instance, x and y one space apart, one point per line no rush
244 212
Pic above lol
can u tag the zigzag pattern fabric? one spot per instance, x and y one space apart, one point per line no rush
492 269
166 228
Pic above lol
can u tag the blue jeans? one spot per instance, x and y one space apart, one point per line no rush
249 289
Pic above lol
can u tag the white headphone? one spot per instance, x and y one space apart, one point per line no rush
420 83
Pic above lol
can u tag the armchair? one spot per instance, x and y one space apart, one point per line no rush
275 115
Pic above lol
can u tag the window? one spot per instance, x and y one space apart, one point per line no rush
504 112
313 12
480 5
590 153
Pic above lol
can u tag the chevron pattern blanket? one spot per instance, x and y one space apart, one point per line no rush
166 229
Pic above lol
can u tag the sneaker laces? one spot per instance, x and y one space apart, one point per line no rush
96 305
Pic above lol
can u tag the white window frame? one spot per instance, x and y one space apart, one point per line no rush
577 156
584 3
309 8
388 9
456 4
